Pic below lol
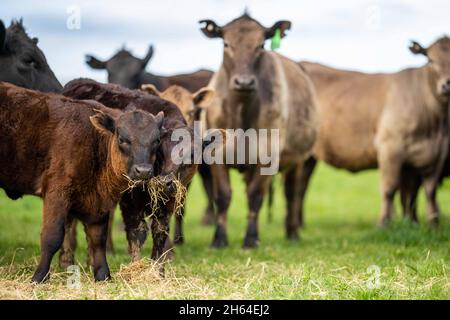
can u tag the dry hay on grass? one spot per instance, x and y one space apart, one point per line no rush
156 191
137 280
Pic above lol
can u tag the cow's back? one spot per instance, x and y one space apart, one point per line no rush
39 131
294 99
191 81
350 107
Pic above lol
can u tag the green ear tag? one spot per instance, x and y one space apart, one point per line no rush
276 40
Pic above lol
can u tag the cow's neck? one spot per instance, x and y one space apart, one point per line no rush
109 183
242 110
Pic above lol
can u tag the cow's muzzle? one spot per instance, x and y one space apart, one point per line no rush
244 83
141 172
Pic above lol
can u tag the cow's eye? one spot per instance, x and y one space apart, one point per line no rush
226 45
123 141
260 47
30 62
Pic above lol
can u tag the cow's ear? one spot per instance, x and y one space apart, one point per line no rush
203 97
151 89
2 35
159 119
94 63
211 29
148 56
282 25
103 122
416 48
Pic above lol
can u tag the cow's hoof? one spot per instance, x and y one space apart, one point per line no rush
434 222
208 219
102 274
250 243
178 240
292 236
219 242
40 277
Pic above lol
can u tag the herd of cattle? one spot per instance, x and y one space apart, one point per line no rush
79 146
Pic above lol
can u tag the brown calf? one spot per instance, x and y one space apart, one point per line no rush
134 204
74 154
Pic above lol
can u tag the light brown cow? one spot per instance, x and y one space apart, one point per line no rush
259 89
190 104
396 122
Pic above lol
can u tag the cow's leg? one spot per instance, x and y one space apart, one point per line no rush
109 242
52 234
291 191
257 186
67 252
390 163
222 197
178 236
305 176
132 207
430 185
209 217
160 233
409 188
97 234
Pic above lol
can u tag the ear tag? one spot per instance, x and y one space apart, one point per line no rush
276 40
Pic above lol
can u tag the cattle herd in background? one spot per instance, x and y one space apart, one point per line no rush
79 146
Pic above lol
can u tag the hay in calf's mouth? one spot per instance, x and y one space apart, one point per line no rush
156 190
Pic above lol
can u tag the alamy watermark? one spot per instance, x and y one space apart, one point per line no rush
73 21
231 147
373 282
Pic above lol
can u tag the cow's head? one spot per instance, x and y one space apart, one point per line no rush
135 140
438 55
190 104
123 68
22 62
243 40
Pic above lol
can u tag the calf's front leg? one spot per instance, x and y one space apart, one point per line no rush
97 234
133 206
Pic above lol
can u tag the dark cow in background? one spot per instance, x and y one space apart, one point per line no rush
259 89
397 122
22 62
75 155
129 71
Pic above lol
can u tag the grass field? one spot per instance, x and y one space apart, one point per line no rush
337 257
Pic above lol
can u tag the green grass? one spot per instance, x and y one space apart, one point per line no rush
331 261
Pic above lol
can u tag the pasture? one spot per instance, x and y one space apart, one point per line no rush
338 245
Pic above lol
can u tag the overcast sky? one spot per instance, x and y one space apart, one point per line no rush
355 34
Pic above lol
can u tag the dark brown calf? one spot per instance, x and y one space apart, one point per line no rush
74 154
134 204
